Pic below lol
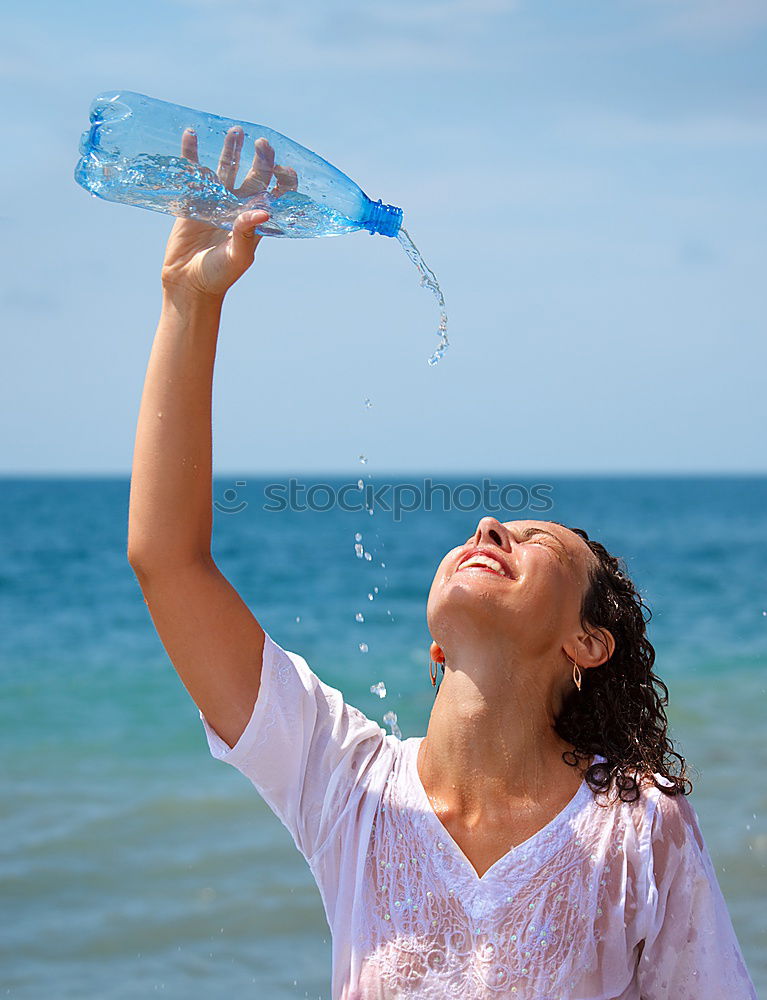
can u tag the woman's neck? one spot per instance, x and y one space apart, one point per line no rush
491 738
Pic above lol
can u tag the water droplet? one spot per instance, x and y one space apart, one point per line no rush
370 511
360 485
368 403
160 414
370 597
379 689
359 551
363 647
375 590
390 719
358 537
368 556
359 617
383 565
363 460
298 619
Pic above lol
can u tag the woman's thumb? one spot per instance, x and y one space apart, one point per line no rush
244 229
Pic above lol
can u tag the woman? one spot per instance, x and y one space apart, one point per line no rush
535 843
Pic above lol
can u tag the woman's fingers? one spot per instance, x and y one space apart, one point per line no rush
229 162
260 173
287 180
189 145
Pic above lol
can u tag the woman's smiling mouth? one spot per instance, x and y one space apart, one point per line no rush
484 562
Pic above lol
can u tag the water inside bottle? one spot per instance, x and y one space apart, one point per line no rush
175 185
428 280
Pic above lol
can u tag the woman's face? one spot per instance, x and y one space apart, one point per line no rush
522 582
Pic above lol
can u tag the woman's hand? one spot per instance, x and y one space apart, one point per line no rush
203 259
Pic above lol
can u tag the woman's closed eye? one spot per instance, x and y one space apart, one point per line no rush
531 535
538 536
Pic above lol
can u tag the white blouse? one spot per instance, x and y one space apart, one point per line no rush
609 901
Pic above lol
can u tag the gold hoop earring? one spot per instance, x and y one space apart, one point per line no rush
576 673
433 673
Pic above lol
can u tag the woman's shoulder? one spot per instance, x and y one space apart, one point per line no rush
646 801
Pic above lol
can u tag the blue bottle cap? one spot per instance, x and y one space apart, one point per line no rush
383 219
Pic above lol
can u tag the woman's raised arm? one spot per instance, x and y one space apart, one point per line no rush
213 640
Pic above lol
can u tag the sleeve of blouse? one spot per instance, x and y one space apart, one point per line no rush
690 948
304 749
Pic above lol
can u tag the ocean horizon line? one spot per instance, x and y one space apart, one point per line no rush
404 475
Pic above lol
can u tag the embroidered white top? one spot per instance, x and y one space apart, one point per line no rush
609 901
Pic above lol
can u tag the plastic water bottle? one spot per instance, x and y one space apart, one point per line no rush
167 158
132 153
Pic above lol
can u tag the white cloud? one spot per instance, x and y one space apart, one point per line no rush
710 18
345 32
440 12
701 130
403 10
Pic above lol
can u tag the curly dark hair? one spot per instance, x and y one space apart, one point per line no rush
619 711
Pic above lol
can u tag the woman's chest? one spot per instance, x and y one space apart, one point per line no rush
488 841
428 924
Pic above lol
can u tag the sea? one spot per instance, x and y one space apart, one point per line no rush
133 864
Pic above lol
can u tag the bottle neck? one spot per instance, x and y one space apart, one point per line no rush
383 219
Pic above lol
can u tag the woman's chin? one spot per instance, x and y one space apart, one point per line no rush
472 595
479 584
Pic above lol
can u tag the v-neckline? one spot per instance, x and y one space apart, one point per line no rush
571 807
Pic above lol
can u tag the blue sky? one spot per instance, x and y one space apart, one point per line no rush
587 182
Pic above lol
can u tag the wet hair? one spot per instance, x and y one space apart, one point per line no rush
619 712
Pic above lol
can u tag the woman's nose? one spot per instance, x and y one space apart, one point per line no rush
490 531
